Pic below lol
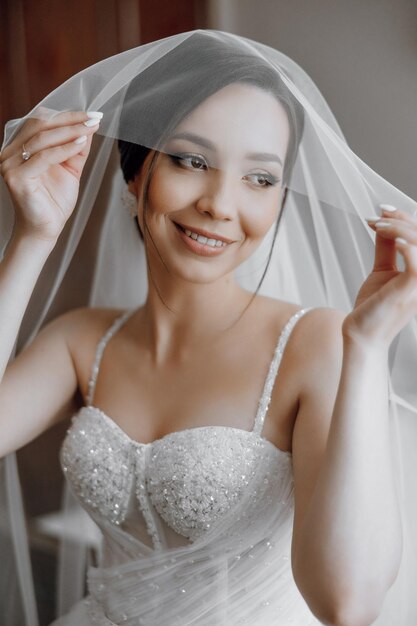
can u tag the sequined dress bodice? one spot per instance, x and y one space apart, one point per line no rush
188 478
150 497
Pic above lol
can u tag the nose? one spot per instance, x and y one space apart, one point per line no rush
218 199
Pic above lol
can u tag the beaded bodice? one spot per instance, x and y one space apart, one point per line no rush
172 490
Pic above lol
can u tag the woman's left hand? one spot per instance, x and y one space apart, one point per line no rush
387 300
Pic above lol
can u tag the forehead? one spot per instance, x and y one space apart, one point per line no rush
240 116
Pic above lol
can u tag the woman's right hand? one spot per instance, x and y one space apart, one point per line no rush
44 188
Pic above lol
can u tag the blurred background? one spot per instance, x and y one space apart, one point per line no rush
361 54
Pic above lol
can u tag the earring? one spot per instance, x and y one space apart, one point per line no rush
129 200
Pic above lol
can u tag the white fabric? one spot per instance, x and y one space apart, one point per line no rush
158 525
323 253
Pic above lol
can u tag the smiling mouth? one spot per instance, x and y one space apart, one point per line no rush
201 246
211 241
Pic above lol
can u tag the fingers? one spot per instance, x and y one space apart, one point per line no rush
63 139
409 254
75 163
45 139
388 227
385 254
46 131
406 289
392 213
42 160
391 228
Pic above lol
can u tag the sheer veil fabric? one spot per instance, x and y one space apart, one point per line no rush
322 254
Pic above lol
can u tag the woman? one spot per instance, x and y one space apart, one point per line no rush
212 512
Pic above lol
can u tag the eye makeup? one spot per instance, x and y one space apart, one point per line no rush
186 159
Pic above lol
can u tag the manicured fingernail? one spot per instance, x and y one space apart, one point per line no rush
387 207
382 224
81 139
92 122
372 219
96 114
401 241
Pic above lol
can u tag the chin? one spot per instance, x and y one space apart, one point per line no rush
199 275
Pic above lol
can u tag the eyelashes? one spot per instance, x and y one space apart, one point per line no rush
185 160
268 179
194 162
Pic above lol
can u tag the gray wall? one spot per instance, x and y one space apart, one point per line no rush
362 54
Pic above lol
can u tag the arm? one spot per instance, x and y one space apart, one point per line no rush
347 540
346 502
35 386
44 189
19 271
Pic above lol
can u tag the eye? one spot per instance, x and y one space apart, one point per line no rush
262 180
189 161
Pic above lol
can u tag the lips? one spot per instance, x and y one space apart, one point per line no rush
196 247
204 233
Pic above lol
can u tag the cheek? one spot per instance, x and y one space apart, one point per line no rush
168 193
259 216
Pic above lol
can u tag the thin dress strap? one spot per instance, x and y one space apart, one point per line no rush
273 370
118 322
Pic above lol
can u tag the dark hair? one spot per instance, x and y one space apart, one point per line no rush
206 64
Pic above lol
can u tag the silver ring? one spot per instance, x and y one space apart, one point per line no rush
25 153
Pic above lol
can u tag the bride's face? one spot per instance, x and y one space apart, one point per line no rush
220 173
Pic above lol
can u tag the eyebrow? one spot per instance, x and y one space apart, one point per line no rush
201 141
264 156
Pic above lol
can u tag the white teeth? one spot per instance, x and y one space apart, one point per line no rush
214 243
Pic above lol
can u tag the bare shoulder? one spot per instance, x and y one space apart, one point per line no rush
317 344
78 325
274 312
81 322
314 334
318 325
83 328
314 348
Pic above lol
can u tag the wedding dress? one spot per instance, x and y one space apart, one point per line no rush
151 500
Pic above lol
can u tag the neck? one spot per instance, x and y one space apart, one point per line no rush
194 315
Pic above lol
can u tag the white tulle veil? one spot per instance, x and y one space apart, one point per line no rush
322 254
